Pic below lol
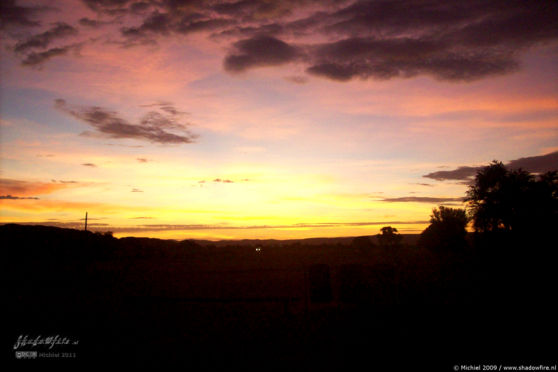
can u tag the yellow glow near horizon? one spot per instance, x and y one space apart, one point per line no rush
246 201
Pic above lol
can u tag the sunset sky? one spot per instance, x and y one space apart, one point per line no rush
267 118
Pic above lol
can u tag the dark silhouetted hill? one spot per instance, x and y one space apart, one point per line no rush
313 303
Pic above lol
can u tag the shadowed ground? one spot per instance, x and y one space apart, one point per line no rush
149 302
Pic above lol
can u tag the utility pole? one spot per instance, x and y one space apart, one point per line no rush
85 221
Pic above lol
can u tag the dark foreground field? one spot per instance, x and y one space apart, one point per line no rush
273 305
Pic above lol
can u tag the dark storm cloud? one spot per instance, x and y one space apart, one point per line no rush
245 19
26 48
93 23
140 7
515 24
273 26
449 40
256 9
471 23
405 57
136 41
244 32
420 199
153 127
536 164
99 4
533 164
16 15
203 25
43 40
89 22
169 23
280 9
158 23
107 6
234 8
335 71
260 51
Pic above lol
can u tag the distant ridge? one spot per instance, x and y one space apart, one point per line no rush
410 239
407 239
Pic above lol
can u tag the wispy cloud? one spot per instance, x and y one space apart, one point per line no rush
92 226
223 180
25 188
173 20
167 107
216 227
89 165
461 173
38 58
44 39
10 197
158 127
325 225
57 205
65 181
297 79
420 199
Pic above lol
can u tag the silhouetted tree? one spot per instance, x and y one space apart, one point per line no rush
389 237
515 214
546 193
447 229
512 200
